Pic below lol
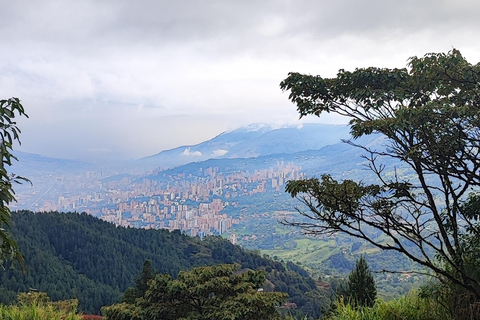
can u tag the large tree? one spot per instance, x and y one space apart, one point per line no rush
429 113
9 134
214 292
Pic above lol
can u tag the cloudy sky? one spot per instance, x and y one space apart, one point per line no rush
117 79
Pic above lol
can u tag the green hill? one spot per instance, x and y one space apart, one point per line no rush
70 255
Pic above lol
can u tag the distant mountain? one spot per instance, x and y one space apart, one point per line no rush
255 140
316 148
252 141
340 160
30 164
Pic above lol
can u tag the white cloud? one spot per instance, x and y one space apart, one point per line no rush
219 152
187 152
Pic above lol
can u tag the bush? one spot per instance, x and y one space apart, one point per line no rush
35 312
410 307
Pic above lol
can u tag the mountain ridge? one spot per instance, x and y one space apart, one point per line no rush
252 141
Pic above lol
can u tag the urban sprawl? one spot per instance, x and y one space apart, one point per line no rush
192 203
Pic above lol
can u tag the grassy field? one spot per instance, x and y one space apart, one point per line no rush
306 251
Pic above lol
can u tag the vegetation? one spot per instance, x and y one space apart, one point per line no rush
361 289
215 292
141 284
9 133
428 114
36 313
78 256
37 306
410 307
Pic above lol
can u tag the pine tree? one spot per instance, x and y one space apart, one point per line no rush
146 275
361 289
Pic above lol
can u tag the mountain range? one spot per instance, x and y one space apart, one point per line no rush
252 141
316 148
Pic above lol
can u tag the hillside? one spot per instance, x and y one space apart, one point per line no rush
71 255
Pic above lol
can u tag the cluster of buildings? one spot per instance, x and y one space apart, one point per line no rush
163 212
192 203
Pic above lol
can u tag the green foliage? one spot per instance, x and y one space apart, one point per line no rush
216 292
410 307
361 289
457 302
33 298
461 303
36 312
130 295
428 114
141 284
37 306
77 256
146 275
9 133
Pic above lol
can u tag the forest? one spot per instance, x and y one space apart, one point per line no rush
78 256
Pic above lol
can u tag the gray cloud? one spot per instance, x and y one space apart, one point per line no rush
108 79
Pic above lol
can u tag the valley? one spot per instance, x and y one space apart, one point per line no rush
242 198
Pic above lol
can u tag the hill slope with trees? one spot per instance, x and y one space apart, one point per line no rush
70 255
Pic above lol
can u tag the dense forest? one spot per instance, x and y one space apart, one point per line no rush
70 255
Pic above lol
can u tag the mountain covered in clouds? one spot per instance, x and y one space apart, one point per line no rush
316 148
255 140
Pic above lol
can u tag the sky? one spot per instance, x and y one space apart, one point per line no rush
115 79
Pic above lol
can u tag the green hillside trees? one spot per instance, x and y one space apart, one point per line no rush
78 256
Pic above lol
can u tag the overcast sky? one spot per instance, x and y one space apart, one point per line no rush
113 79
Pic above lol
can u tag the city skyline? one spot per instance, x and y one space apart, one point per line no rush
190 203
124 80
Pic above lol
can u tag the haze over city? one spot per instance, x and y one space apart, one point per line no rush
123 80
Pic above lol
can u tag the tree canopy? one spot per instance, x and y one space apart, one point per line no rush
429 115
71 255
9 134
215 292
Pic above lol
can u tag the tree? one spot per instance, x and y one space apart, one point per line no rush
9 133
146 275
141 283
361 289
216 292
429 114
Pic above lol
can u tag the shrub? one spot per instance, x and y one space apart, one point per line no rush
410 307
